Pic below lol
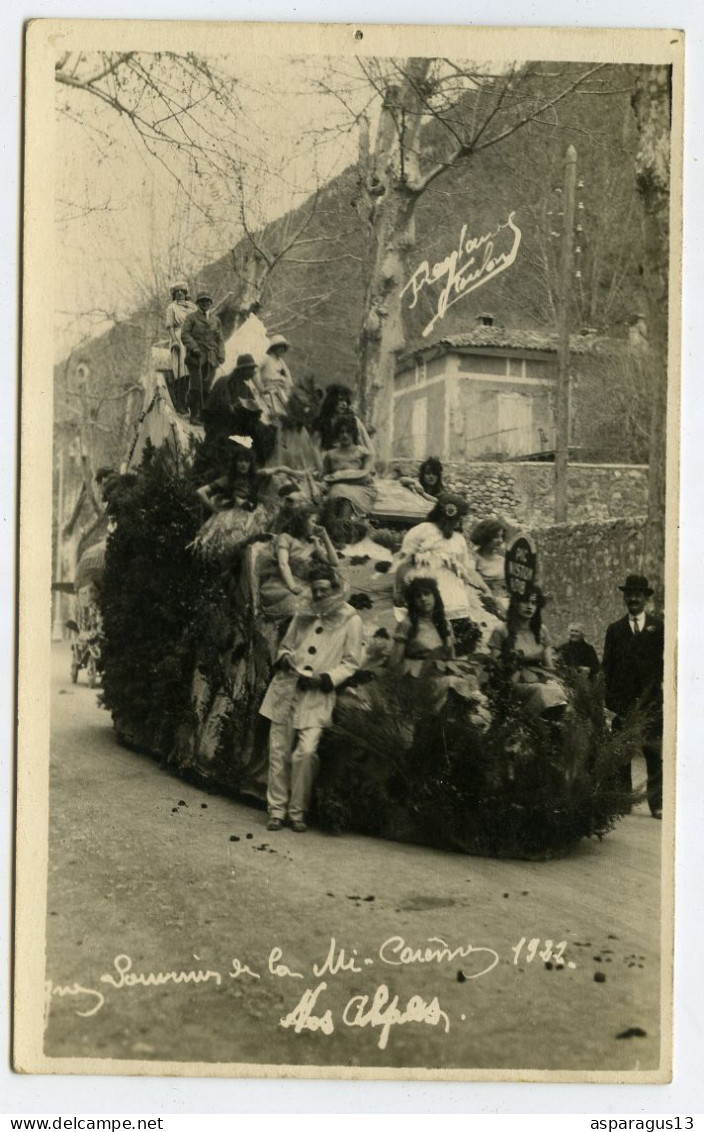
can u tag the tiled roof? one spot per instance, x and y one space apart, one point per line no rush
501 338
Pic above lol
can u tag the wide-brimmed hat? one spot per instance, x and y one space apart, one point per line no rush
203 293
244 361
637 582
277 340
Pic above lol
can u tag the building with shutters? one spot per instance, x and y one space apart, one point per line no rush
487 394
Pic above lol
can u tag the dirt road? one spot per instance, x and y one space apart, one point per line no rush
178 929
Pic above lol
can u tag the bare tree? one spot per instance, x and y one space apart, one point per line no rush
652 108
435 115
190 115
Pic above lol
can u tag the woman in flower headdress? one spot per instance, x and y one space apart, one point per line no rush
176 312
438 549
238 516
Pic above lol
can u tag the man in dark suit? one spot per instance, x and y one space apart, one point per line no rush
633 671
201 334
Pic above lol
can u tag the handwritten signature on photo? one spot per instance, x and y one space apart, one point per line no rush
378 1009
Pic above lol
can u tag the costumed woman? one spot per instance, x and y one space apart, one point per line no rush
274 382
338 402
424 648
290 407
429 484
238 516
489 537
348 471
437 549
523 646
283 572
176 312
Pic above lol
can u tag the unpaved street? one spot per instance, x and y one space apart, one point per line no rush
174 880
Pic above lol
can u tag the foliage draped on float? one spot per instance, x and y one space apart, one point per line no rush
522 787
391 766
161 605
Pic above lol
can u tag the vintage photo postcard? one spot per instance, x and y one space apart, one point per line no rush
348 544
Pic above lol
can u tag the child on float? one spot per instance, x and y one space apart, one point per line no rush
321 649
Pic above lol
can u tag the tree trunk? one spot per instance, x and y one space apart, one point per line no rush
382 335
390 179
651 104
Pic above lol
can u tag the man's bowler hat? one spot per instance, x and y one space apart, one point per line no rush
637 582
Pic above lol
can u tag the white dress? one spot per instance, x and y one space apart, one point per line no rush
425 553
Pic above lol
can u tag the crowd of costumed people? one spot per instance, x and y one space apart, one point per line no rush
335 617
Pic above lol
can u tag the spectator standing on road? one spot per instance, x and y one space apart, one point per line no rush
577 653
633 670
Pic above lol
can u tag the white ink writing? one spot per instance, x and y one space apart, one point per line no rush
336 961
302 1017
128 978
239 968
473 263
397 953
384 1012
72 990
280 969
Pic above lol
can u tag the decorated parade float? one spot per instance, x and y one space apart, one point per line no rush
454 761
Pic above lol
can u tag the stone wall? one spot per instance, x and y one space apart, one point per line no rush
525 491
581 566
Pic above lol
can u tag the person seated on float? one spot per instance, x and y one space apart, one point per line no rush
338 402
238 516
437 549
576 653
489 536
284 572
523 646
232 407
429 484
348 471
424 648
425 634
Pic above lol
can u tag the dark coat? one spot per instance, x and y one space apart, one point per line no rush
633 667
579 654
203 338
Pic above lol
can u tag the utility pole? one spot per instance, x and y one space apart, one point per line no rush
562 412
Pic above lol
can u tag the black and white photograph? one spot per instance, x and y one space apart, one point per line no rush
348 551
